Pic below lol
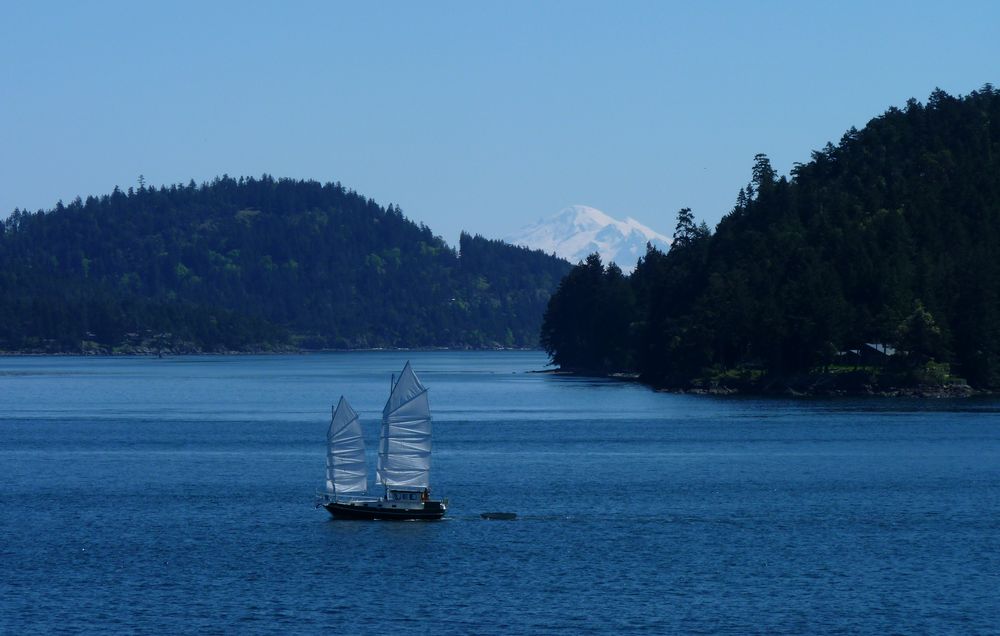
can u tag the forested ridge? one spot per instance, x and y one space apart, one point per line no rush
257 264
890 237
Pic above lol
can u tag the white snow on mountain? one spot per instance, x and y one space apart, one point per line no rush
578 231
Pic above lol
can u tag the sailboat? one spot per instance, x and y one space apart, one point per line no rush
404 459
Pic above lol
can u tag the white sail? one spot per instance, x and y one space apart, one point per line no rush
346 467
404 450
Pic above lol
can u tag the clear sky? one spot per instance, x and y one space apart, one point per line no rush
469 115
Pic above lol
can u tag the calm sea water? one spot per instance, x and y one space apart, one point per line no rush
175 496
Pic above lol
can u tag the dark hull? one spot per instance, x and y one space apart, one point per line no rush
432 511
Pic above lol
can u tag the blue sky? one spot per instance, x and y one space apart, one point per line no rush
475 116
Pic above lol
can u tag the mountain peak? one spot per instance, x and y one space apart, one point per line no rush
577 231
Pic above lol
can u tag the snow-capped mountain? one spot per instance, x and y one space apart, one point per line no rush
578 231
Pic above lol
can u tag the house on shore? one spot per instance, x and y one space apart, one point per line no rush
869 354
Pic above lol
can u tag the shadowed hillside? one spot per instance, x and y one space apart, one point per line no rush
256 264
891 237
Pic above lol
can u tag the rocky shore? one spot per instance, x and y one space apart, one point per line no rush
805 386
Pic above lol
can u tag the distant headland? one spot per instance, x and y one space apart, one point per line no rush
873 268
257 265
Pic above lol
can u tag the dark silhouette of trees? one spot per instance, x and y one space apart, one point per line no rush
258 263
596 306
890 236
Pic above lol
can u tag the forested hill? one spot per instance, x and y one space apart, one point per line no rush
254 264
890 237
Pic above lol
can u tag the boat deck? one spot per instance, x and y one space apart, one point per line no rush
381 509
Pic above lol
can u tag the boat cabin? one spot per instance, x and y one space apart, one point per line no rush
408 496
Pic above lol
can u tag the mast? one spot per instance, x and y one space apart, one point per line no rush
404 451
346 465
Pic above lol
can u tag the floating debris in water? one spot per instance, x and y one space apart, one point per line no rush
500 516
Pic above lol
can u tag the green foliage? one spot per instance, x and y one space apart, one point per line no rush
253 264
934 373
588 323
890 236
919 336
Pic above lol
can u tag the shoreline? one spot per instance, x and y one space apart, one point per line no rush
262 352
777 388
783 389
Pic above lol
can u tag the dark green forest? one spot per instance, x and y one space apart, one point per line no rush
891 236
257 264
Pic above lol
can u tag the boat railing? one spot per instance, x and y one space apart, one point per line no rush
323 497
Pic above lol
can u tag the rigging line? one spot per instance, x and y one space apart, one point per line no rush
402 404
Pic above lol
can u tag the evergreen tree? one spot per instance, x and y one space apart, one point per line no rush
258 263
907 208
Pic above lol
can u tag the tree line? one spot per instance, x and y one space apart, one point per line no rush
257 264
891 236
